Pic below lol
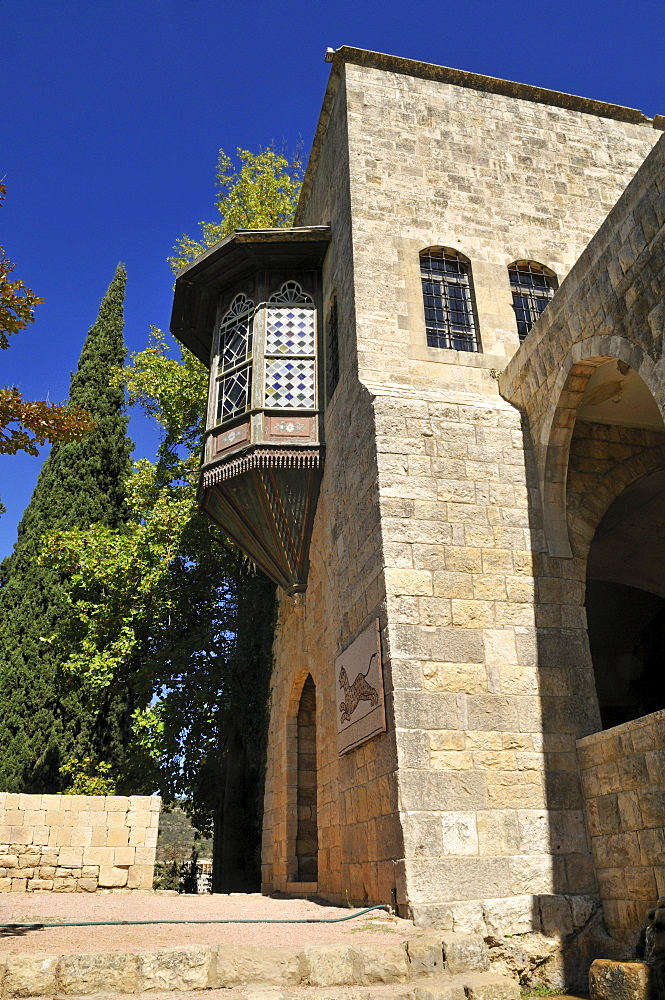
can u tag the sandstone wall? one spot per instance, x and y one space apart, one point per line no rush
624 791
77 843
496 177
488 658
358 829
430 516
611 306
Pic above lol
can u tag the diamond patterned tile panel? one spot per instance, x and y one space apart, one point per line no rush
290 383
290 330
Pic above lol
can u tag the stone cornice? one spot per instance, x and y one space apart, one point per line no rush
347 54
492 85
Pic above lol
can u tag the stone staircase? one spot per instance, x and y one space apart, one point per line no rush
429 966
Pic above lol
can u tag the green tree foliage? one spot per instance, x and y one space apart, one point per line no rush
169 596
258 191
171 591
86 777
49 715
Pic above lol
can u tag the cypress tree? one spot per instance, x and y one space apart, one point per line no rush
47 714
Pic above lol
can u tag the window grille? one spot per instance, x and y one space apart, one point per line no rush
449 319
332 350
234 382
532 289
290 349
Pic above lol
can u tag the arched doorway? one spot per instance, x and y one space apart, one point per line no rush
617 500
307 839
625 602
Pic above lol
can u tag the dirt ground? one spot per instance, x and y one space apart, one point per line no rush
396 992
53 908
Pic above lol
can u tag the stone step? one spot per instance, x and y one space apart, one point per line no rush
468 986
419 959
630 980
427 966
560 996
475 986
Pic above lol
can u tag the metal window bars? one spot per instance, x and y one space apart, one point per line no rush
446 281
332 350
532 287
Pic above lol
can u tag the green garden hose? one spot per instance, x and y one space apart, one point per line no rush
125 923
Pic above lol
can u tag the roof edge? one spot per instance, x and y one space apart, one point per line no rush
492 85
460 78
317 141
297 234
200 282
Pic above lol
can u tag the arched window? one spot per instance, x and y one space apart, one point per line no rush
291 349
307 838
448 299
532 285
234 382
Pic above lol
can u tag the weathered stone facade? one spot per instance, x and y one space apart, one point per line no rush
77 843
461 499
624 791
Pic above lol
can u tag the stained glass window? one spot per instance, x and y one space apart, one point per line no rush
446 284
290 383
234 365
234 393
235 333
532 289
290 349
290 330
291 291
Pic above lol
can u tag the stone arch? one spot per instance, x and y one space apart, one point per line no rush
566 396
301 805
615 518
625 596
526 261
584 521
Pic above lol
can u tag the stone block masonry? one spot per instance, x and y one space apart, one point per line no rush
623 783
468 811
610 306
77 843
422 968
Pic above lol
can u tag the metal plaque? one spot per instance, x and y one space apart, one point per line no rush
361 710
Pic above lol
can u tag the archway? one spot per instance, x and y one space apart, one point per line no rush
625 602
600 389
307 839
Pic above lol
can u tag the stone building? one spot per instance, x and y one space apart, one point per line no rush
472 615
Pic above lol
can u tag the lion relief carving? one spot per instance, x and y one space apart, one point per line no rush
360 690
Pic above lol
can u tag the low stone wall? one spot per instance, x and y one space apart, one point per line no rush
77 843
623 781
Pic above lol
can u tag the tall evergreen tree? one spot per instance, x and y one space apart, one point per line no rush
173 588
49 715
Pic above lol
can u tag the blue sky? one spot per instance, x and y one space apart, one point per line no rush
113 112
